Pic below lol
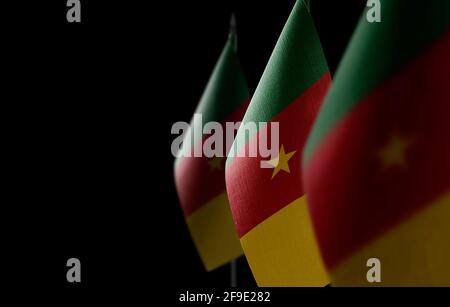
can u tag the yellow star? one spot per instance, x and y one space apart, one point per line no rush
215 163
281 162
394 153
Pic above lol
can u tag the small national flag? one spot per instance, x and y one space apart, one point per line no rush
268 204
200 181
377 163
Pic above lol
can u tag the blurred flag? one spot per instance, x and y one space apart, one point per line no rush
200 181
377 163
268 204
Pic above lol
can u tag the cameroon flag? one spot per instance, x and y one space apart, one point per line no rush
200 181
268 204
377 163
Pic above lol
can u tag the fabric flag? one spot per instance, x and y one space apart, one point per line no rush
200 181
268 204
377 162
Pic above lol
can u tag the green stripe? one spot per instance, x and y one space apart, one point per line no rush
296 63
226 89
376 52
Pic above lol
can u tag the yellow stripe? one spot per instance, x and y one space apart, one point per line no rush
214 233
282 250
415 253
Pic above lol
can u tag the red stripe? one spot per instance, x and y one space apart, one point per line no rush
352 197
253 195
196 183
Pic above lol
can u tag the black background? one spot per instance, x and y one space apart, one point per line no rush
92 105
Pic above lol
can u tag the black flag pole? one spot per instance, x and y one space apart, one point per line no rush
233 30
233 277
308 4
233 264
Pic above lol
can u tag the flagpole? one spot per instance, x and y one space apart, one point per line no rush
233 277
233 264
308 4
233 30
